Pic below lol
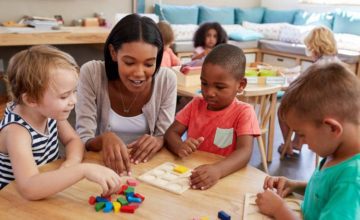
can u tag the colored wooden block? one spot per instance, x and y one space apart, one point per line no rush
180 169
108 207
108 198
122 201
131 199
137 195
99 206
101 199
122 189
92 200
204 218
128 209
223 215
130 189
116 206
132 182
136 205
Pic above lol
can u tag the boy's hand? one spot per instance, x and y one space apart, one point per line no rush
115 154
283 185
145 148
189 146
204 176
269 203
109 181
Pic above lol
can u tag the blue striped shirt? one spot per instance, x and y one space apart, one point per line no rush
45 148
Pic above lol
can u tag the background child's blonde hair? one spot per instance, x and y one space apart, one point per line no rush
166 32
321 41
29 71
324 90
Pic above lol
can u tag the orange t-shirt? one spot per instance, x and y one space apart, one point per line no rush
169 58
219 128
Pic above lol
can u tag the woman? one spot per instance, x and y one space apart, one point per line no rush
127 101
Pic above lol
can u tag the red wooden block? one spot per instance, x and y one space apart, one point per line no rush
137 195
128 209
108 198
132 182
92 200
135 204
122 189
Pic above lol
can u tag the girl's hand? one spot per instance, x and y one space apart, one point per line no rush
283 185
143 149
204 177
269 203
115 154
189 146
109 181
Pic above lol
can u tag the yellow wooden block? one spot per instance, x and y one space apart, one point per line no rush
116 206
180 169
204 218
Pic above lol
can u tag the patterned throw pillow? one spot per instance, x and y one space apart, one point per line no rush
269 31
184 32
294 33
348 42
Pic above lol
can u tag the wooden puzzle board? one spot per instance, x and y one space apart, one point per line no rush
251 210
165 178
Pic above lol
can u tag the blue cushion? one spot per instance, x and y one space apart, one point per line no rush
276 16
245 35
347 22
254 15
221 15
307 18
177 14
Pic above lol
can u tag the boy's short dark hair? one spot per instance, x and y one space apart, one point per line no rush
230 57
324 90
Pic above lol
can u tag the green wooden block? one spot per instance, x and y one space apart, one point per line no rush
122 201
99 206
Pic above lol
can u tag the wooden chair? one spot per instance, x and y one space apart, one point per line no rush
264 101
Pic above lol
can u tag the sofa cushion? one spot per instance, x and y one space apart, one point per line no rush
175 14
269 31
245 35
279 16
308 18
184 32
294 33
347 22
254 15
221 15
348 42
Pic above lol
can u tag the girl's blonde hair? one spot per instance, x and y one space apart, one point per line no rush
29 71
166 32
321 41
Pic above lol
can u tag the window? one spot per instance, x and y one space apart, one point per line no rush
332 2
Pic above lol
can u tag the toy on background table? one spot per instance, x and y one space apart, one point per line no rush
128 202
168 176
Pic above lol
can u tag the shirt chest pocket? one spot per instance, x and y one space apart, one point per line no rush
223 137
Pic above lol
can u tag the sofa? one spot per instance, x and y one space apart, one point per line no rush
266 32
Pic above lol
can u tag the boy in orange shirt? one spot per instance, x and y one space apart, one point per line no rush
217 122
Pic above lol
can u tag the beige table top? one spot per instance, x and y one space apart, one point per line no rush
66 35
228 195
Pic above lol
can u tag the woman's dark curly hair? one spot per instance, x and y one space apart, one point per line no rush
129 29
200 34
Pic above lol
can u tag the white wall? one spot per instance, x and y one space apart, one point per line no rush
69 9
219 3
294 4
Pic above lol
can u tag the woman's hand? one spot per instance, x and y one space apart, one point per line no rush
143 149
115 154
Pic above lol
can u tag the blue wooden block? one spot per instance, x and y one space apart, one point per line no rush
223 215
101 199
108 207
133 199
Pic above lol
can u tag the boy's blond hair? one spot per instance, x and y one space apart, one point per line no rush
166 32
324 90
29 71
321 41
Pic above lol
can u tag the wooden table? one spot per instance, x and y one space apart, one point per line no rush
72 203
66 35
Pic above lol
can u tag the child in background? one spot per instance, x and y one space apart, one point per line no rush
206 37
320 44
43 80
169 59
327 118
217 122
